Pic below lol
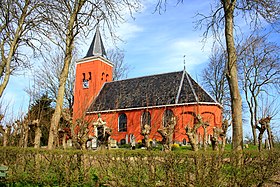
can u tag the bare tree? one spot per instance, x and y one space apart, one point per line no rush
19 25
260 70
191 131
265 126
146 131
214 79
46 79
222 20
67 19
121 69
167 133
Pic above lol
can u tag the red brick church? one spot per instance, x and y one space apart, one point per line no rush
127 105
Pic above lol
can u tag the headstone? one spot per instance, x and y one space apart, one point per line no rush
126 139
132 141
131 136
154 143
113 143
94 143
69 143
89 144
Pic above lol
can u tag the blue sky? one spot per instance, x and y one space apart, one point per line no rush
153 43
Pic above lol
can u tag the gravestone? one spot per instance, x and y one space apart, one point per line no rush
154 143
132 141
113 143
89 144
94 143
69 143
126 139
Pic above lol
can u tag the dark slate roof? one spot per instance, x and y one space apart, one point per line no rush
96 47
155 90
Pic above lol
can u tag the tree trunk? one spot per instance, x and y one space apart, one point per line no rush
204 137
193 141
215 139
254 131
223 134
260 140
71 33
53 134
13 48
38 135
2 131
26 134
236 102
170 139
266 144
223 143
146 130
6 133
269 134
64 144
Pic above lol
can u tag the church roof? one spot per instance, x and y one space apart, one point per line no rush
96 47
150 91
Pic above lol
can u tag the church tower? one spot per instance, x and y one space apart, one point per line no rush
92 72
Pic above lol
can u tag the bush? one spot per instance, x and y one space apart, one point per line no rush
38 167
124 146
175 146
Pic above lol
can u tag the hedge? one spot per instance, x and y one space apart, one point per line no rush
39 167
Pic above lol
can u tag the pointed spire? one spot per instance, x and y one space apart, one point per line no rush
96 47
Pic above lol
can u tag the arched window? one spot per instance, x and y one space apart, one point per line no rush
184 141
102 77
146 118
122 123
167 117
122 142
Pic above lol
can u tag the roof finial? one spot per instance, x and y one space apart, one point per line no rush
184 62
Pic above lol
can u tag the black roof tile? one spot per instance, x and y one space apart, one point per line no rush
154 90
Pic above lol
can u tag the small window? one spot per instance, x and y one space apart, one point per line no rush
122 123
84 76
167 117
89 74
146 118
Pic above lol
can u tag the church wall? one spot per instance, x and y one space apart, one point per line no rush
184 115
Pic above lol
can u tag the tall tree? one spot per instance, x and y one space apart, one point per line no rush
67 20
260 69
222 18
19 22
